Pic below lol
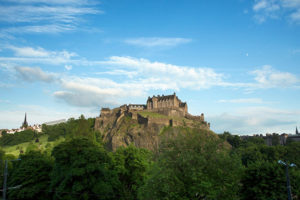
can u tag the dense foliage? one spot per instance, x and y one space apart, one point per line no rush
189 164
18 137
72 128
263 177
194 166
32 173
131 165
83 170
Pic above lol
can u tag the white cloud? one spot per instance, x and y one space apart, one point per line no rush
29 51
291 3
48 28
275 9
142 75
89 92
34 74
296 16
76 2
267 77
157 41
40 16
120 72
260 5
68 67
39 55
168 74
249 100
255 120
43 13
40 52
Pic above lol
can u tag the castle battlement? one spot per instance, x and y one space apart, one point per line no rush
169 105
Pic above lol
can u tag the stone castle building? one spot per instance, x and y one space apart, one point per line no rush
171 106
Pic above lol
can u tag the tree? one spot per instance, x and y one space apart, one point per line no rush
73 128
261 152
293 152
2 159
254 140
264 180
131 164
234 140
17 138
32 173
4 132
196 164
83 170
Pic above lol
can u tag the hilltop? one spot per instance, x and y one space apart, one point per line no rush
143 125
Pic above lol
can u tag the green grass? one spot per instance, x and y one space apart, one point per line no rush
153 114
161 116
43 141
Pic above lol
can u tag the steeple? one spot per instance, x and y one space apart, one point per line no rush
25 124
297 133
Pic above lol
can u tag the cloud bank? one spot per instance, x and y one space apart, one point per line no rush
276 9
157 41
40 16
33 74
141 76
255 120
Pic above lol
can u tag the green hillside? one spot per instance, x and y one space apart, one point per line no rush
43 144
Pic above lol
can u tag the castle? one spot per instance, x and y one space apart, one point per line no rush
170 106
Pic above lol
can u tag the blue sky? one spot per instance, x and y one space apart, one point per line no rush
236 61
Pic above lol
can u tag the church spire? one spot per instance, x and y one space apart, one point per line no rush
297 131
25 124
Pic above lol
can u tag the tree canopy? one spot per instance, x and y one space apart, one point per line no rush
194 165
83 170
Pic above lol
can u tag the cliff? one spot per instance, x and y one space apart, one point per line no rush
143 128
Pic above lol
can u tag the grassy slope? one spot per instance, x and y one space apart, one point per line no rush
152 114
161 116
43 141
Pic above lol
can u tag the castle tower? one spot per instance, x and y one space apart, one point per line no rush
155 102
25 124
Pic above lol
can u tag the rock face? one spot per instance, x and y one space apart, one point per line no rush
135 124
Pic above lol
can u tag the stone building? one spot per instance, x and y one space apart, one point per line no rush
137 107
171 106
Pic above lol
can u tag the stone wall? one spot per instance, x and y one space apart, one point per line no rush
158 121
294 138
136 107
195 117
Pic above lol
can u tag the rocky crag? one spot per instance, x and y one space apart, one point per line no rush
144 125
